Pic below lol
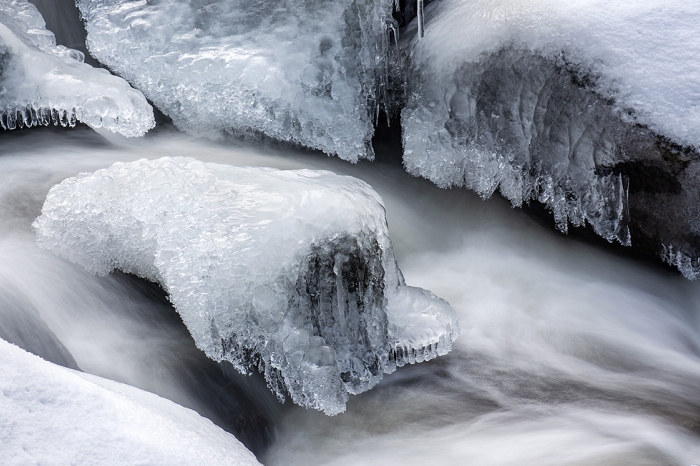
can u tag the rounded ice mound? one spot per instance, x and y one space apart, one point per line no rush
61 416
42 83
304 72
289 272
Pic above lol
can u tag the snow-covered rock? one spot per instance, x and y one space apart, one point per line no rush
57 416
581 105
43 83
289 272
309 72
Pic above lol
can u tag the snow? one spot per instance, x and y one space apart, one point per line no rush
288 272
57 416
644 53
305 72
43 83
538 98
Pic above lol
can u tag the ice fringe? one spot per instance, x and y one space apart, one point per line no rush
42 83
313 73
288 272
547 100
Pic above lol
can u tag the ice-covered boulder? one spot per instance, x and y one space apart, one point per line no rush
56 416
42 83
289 272
309 72
590 107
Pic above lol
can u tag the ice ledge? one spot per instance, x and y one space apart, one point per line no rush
287 272
42 83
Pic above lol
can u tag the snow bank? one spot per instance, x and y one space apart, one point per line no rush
43 83
306 72
289 272
57 416
540 99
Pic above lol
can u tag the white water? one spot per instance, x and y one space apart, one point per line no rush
568 355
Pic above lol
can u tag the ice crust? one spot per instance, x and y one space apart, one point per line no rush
289 272
57 416
42 83
309 72
540 99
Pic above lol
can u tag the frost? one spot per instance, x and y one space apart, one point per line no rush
57 416
541 100
288 272
42 83
303 71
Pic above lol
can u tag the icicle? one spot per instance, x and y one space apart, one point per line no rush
421 28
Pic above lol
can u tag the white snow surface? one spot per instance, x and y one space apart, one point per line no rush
289 272
57 416
645 54
43 83
301 71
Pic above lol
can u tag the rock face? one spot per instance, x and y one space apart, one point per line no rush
288 272
549 103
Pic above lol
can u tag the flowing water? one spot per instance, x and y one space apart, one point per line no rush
569 355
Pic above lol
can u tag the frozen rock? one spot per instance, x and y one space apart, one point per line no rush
564 103
42 83
288 272
57 416
306 72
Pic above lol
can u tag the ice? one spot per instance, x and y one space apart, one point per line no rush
57 416
42 83
308 72
288 272
545 99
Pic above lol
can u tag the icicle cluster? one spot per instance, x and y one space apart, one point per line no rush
42 83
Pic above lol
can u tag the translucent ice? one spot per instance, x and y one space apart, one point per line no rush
304 71
541 99
57 416
43 83
289 272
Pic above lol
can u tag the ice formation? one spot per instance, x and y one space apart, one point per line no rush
306 72
289 272
57 416
42 83
554 101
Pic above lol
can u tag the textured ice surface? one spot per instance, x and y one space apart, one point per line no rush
57 416
42 83
540 99
289 272
304 71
